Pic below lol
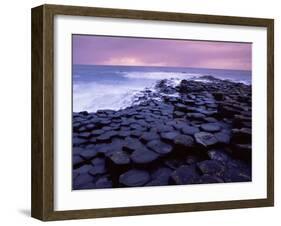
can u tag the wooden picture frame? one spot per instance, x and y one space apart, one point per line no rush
43 111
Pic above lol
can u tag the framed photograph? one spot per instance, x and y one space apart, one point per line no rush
141 112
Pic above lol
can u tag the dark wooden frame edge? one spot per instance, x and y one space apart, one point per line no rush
42 197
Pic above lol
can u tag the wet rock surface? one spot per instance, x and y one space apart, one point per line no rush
134 178
193 133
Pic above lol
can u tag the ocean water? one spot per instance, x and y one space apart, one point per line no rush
115 87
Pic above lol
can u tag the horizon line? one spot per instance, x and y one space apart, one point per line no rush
111 65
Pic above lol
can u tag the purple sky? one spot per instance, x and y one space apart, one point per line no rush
105 50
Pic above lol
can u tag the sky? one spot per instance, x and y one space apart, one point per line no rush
110 50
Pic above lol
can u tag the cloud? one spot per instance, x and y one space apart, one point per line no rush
107 50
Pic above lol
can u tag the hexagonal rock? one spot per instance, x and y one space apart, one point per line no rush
77 150
136 133
74 175
206 112
103 182
116 144
82 129
218 155
177 123
149 136
237 171
178 114
205 139
103 149
209 179
183 141
124 128
120 158
76 160
84 169
123 133
223 137
137 127
90 126
210 127
144 156
164 128
132 144
169 136
98 166
196 115
105 137
235 175
189 130
180 107
134 178
174 163
104 122
84 135
78 141
76 125
97 132
159 147
93 140
89 146
81 180
139 117
160 177
210 119
185 175
211 167
88 154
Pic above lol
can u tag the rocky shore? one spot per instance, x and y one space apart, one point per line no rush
192 133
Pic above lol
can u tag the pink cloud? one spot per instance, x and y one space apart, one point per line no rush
106 50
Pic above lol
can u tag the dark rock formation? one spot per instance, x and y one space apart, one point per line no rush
205 139
134 178
185 175
159 147
211 167
193 133
144 156
210 127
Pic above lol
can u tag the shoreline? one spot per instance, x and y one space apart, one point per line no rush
201 136
122 95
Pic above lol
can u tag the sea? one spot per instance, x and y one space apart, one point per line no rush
98 87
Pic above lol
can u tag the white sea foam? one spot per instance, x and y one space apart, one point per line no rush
159 75
94 96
